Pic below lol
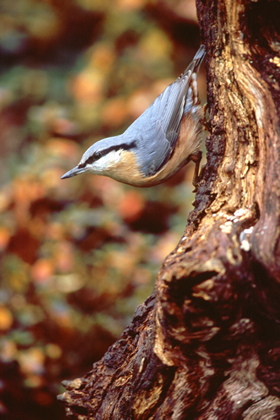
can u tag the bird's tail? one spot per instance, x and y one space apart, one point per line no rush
197 60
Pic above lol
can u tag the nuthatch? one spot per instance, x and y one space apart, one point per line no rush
158 143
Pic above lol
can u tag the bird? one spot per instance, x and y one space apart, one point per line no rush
164 138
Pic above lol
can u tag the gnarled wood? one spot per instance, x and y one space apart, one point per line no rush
206 345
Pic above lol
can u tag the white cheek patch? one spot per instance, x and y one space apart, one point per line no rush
106 162
112 158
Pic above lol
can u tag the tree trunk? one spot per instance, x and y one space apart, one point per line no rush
206 345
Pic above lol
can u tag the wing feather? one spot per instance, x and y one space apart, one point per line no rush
156 130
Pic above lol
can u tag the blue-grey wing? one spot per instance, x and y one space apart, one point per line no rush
157 129
178 98
153 148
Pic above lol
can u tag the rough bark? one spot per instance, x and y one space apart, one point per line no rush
206 345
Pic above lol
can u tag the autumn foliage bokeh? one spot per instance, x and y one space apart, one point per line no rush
79 255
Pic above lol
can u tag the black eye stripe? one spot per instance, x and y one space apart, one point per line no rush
98 154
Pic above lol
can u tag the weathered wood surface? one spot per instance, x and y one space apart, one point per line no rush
206 345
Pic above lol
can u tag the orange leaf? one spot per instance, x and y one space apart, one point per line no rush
6 318
131 206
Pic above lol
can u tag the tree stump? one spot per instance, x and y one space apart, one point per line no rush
206 344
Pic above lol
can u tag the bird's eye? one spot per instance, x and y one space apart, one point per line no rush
97 155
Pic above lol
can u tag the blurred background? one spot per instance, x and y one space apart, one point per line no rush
77 256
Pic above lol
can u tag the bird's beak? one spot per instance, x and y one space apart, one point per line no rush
73 172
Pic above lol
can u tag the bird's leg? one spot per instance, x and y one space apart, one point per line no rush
205 121
196 158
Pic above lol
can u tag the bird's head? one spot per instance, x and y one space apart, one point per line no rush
105 157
